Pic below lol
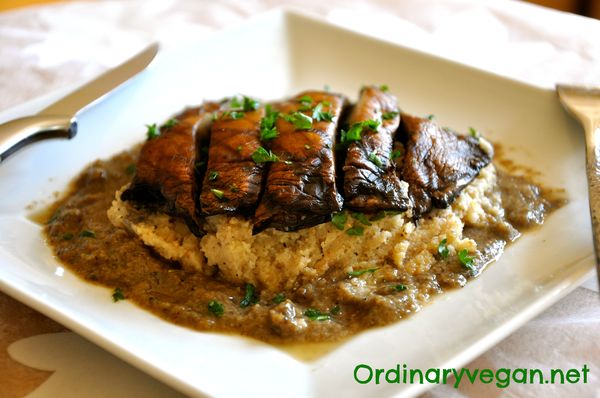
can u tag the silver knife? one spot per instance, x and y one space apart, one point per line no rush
60 118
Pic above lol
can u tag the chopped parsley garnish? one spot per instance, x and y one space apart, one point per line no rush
215 308
279 298
261 155
86 233
466 260
235 103
239 148
316 315
169 123
400 287
474 133
233 188
130 169
389 115
268 130
354 134
235 115
335 310
250 104
213 175
218 194
375 159
215 116
250 297
362 272
396 154
384 88
355 231
152 131
305 100
118 295
339 220
67 236
371 124
362 218
247 104
443 248
431 117
355 131
319 115
299 120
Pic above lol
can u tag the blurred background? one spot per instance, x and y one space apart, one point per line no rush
590 8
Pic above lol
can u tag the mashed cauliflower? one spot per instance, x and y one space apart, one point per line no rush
276 260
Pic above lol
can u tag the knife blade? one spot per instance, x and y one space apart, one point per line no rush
60 118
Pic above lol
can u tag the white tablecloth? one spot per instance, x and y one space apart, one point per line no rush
49 47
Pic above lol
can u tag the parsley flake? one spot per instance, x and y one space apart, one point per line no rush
474 133
152 131
118 295
339 220
249 297
235 115
355 231
319 115
384 88
443 248
375 160
261 155
466 260
389 115
400 287
218 194
361 218
305 100
355 131
215 308
299 120
335 310
213 175
371 124
316 315
239 148
169 123
362 272
250 104
431 117
86 233
235 103
67 236
268 130
396 154
279 298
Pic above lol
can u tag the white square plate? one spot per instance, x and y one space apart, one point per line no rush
272 56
